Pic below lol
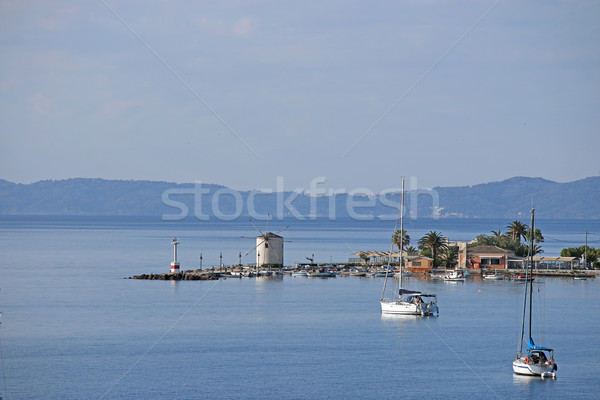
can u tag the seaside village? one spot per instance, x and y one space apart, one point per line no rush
454 261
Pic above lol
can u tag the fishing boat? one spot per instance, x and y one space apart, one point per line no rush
455 276
537 360
405 302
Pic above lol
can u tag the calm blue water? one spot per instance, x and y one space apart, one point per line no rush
73 328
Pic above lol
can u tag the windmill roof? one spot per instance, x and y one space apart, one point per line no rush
269 235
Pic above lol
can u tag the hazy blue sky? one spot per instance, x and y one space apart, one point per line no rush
238 93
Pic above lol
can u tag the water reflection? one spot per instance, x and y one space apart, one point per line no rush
399 317
528 380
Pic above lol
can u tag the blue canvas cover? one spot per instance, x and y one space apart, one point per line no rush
532 346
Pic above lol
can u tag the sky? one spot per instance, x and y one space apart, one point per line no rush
250 93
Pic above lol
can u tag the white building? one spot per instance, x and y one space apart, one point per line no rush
269 249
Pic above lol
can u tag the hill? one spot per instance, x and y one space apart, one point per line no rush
511 198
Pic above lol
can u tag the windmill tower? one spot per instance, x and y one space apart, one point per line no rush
269 247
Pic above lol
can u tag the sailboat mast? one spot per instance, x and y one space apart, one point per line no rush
531 265
401 232
585 251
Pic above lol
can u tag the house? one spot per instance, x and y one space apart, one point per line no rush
420 264
490 257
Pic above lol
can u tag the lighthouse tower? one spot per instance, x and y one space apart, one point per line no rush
175 264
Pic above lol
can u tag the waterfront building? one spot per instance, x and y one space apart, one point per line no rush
490 257
420 264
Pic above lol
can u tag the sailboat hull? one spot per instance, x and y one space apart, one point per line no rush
399 307
404 308
522 368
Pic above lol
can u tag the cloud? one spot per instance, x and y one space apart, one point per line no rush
10 83
244 26
40 104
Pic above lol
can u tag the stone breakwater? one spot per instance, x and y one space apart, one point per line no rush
193 275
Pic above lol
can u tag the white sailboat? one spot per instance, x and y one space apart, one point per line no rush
406 302
537 360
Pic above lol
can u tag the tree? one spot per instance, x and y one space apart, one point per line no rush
537 236
364 257
410 249
396 238
537 249
517 229
434 241
592 254
449 256
496 233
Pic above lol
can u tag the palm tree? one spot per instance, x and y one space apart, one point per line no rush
537 236
517 230
434 241
396 239
537 249
449 256
410 249
496 233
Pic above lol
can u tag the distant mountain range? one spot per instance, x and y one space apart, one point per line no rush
511 198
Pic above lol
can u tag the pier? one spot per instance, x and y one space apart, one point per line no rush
189 275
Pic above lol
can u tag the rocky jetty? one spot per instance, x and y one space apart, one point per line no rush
192 275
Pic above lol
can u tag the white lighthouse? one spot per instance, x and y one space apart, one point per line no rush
175 264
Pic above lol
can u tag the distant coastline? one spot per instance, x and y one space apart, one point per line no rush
511 198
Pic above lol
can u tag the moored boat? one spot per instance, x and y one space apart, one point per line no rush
522 278
321 273
455 276
537 360
406 302
494 277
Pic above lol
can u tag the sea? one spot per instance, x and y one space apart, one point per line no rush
74 326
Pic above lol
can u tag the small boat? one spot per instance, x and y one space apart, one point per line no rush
406 302
580 278
494 277
522 278
537 360
268 275
321 273
455 276
434 277
358 273
300 273
411 302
